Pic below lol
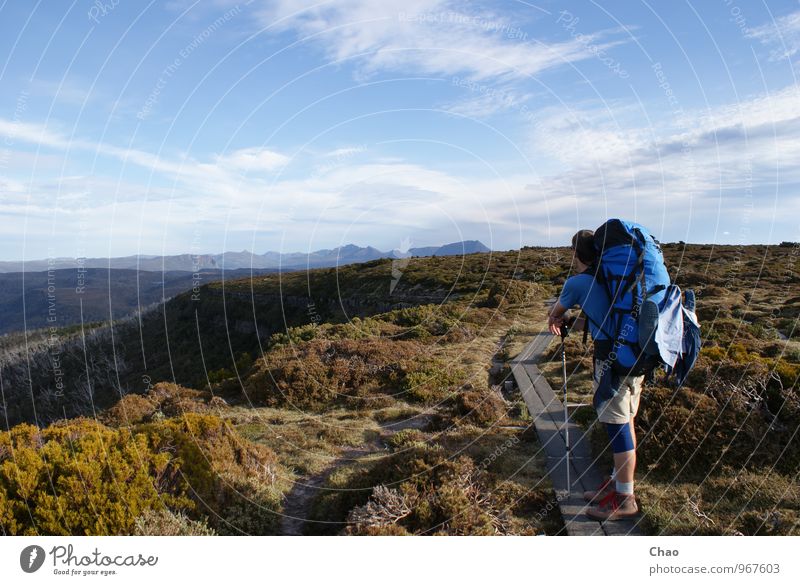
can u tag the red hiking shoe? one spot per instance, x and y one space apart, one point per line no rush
614 506
605 487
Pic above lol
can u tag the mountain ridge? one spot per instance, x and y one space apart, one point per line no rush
322 258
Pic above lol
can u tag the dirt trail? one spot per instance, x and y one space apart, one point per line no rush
297 504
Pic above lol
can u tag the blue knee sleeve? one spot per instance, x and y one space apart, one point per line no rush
620 435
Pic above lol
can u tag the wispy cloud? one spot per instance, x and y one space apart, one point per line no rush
65 91
782 36
247 160
586 134
16 131
433 37
688 174
731 164
487 101
764 128
252 160
345 151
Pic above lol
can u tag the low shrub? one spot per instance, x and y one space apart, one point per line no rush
168 523
788 373
321 373
81 477
164 398
511 293
428 381
232 480
737 419
692 279
483 409
418 490
130 410
428 323
405 438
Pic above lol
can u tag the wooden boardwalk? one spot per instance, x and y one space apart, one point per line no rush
547 412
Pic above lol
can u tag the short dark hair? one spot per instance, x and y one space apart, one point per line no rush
583 244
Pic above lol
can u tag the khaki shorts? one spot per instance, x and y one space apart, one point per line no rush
625 403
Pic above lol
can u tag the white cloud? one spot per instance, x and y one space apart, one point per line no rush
252 160
764 129
15 131
436 37
782 35
345 151
221 167
493 101
726 166
678 178
589 134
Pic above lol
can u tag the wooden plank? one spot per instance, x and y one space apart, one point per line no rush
580 448
577 474
550 434
627 527
576 522
547 411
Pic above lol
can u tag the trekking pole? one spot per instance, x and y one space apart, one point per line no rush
564 332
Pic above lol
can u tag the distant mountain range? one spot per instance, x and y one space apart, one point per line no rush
67 291
348 254
63 297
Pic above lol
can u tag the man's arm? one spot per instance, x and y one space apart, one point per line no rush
554 318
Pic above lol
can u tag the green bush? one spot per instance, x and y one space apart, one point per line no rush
511 293
163 400
405 438
82 478
428 380
233 481
168 523
788 373
320 373
735 417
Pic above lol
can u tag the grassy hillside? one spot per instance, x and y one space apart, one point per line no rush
371 397
65 297
197 338
331 371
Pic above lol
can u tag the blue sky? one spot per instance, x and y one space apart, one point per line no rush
199 127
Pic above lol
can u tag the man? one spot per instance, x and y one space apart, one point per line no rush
616 404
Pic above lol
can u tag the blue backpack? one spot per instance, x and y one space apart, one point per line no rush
647 324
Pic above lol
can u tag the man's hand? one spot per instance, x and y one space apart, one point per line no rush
554 324
555 318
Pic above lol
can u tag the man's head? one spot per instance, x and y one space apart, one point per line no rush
583 247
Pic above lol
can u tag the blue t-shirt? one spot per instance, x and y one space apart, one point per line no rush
583 291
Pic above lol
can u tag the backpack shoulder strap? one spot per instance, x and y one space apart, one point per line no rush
595 272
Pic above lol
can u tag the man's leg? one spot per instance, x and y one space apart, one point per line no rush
607 485
633 437
635 387
624 455
618 415
625 463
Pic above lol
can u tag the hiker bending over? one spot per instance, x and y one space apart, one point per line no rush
616 408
